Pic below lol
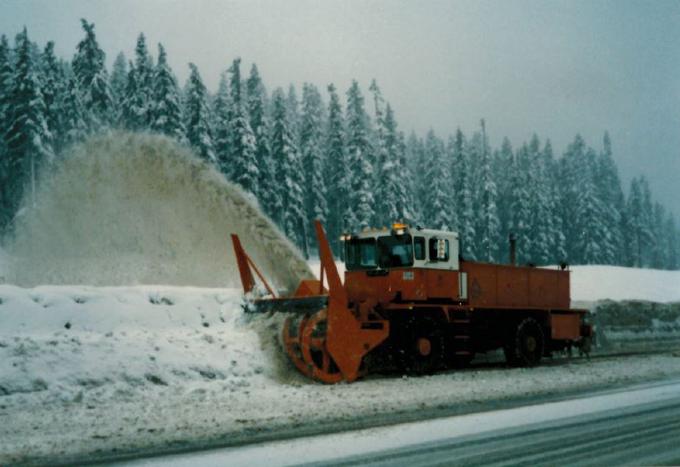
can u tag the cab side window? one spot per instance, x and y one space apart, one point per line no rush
439 249
419 248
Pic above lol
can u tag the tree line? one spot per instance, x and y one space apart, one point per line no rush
339 159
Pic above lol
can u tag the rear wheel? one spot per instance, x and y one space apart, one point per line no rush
526 345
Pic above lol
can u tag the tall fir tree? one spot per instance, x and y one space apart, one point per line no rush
29 142
392 201
118 82
73 124
557 238
611 195
415 149
288 174
222 112
461 181
243 168
311 141
541 227
138 101
520 217
337 172
197 114
6 168
435 205
166 105
360 159
259 123
489 224
53 83
503 165
90 70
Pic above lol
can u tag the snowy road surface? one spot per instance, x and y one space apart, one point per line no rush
637 425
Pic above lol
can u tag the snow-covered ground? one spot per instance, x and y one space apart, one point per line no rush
99 370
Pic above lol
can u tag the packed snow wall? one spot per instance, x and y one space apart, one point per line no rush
124 208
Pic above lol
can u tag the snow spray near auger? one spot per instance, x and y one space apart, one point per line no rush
128 208
409 298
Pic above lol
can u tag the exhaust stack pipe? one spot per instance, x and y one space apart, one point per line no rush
513 247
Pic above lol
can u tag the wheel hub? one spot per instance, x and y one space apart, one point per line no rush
424 346
531 343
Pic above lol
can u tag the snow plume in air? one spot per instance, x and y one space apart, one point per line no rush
127 208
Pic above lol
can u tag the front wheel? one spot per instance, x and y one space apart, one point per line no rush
526 345
424 347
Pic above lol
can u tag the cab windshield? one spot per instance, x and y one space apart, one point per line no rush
385 252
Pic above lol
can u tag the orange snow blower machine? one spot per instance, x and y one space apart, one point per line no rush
410 301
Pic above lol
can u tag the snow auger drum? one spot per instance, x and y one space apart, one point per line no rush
323 337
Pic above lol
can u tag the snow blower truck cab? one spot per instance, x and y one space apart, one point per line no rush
409 301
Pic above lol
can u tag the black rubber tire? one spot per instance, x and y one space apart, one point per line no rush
525 347
412 360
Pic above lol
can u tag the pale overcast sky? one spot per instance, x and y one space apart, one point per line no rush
556 68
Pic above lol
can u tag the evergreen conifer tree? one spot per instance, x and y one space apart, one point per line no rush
90 70
337 172
460 174
29 142
436 209
118 82
243 147
489 224
288 174
360 158
311 140
197 114
166 112
259 123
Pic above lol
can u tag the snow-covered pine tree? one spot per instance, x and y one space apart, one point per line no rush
166 111
558 251
671 242
658 253
591 233
6 84
90 70
197 114
259 123
137 105
570 175
503 167
646 222
293 109
337 172
53 85
387 185
118 82
415 150
520 218
611 195
540 205
489 225
436 204
405 197
243 168
360 158
461 178
73 124
29 142
222 106
634 236
311 141
289 175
